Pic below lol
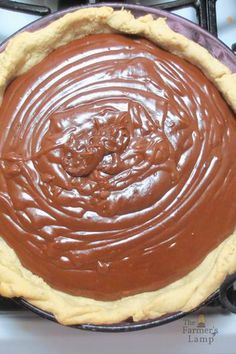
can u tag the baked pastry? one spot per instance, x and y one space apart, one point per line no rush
117 169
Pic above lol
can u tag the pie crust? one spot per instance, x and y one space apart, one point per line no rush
26 50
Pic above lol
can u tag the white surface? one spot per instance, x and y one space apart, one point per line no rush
10 22
226 19
23 332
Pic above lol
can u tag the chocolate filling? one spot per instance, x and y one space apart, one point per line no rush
117 167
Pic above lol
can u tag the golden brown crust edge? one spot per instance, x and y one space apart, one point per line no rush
28 48
184 294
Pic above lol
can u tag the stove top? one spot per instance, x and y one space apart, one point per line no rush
209 330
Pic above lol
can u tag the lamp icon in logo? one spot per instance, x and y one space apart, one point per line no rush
201 321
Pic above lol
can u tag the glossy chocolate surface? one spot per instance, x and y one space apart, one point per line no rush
118 170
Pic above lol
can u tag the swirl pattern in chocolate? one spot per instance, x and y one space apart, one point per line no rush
117 167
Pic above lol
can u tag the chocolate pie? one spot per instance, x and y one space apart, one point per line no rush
117 168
